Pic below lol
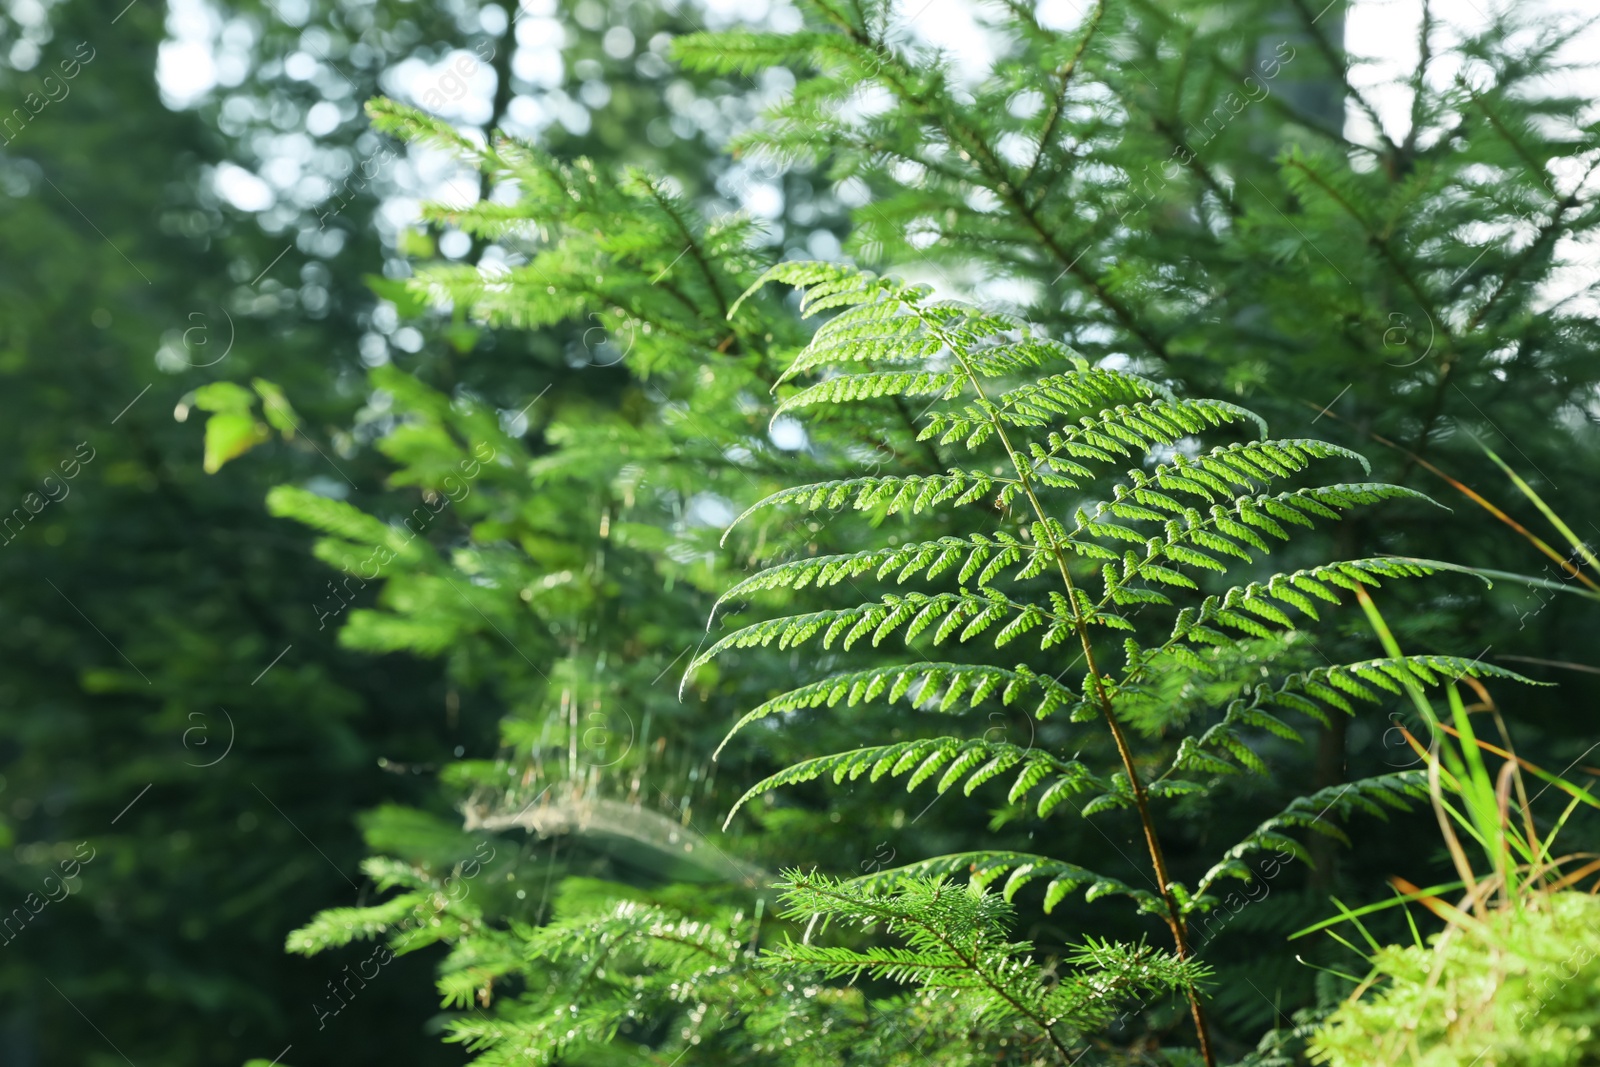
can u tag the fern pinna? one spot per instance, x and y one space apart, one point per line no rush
1079 554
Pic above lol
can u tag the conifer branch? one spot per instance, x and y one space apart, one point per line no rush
1063 77
1419 83
1338 66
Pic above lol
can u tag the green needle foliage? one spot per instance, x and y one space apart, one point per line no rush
955 947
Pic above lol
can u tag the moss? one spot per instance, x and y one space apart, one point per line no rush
1522 991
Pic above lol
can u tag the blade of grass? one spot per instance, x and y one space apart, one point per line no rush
1457 854
1555 520
1575 876
1560 824
1443 909
1329 970
1554 663
1380 906
1481 800
1481 501
1416 935
1580 795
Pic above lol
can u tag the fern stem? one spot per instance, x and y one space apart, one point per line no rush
1141 799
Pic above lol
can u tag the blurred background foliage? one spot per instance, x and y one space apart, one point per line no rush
150 599
202 221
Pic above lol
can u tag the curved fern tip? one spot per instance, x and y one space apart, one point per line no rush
726 738
759 283
734 811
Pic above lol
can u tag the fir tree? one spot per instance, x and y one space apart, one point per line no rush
1270 280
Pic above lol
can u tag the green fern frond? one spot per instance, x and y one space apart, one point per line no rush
658 936
978 558
963 615
1234 529
1058 395
539 1040
1211 511
1377 795
1142 426
1369 680
1224 470
1006 359
985 868
976 760
848 387
746 52
414 125
944 687
1236 606
955 943
330 516
892 493
829 285
1331 684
